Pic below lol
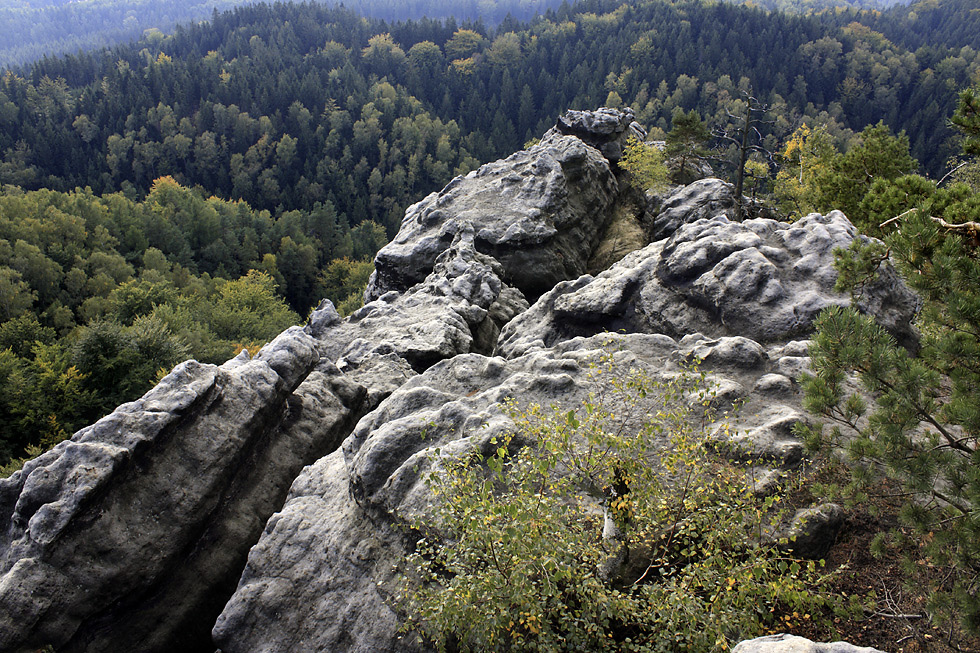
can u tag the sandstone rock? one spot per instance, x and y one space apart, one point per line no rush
761 279
327 558
323 317
379 374
538 213
702 199
459 307
605 129
131 535
321 578
814 530
794 644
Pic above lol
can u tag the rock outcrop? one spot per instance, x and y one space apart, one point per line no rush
538 213
794 644
133 534
760 279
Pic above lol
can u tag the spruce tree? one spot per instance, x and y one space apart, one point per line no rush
686 142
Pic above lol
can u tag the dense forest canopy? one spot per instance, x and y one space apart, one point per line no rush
294 105
32 29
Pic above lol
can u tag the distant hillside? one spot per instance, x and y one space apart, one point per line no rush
816 6
32 29
289 105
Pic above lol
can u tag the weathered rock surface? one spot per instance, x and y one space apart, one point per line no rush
538 213
814 530
453 408
705 198
459 307
320 579
607 130
794 644
131 535
760 279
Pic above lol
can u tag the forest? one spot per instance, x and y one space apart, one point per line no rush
30 30
195 192
33 29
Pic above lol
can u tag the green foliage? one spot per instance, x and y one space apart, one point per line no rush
122 362
343 282
808 158
860 181
889 198
646 165
878 155
924 426
967 120
44 400
687 140
522 557
361 123
249 311
83 327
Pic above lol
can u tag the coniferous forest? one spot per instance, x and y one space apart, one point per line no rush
197 191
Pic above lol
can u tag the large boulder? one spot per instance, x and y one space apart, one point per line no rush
761 279
794 644
132 534
538 213
704 198
608 130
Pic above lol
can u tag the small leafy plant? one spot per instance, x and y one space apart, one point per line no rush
604 526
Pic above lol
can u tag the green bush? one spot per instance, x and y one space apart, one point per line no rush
605 526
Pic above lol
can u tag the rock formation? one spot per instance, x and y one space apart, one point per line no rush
793 644
135 529
133 534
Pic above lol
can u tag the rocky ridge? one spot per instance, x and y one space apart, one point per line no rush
133 535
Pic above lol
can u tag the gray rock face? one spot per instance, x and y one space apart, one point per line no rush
131 535
607 130
538 213
458 308
320 578
761 279
794 644
705 198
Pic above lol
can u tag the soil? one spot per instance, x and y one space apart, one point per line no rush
896 620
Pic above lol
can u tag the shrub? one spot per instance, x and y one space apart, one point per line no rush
578 532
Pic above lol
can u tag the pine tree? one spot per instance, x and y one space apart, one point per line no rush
924 426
